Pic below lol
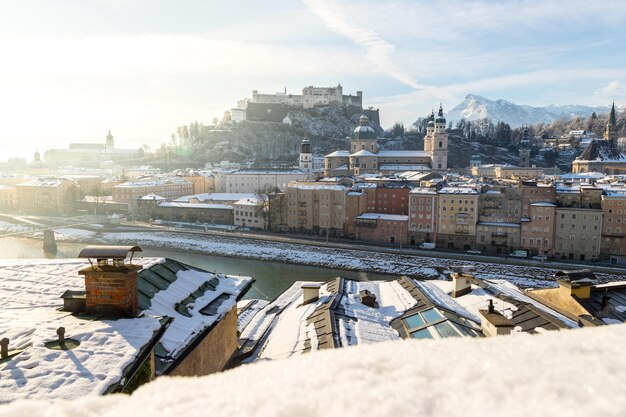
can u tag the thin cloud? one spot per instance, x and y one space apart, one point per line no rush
379 51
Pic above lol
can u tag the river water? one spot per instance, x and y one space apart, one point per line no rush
272 278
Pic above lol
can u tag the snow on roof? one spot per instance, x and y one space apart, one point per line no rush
403 154
458 190
280 330
30 291
363 152
182 331
509 376
390 167
154 182
44 182
543 204
152 197
175 204
381 216
423 190
249 202
342 154
228 197
317 187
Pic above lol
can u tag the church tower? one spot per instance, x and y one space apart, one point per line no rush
524 150
430 132
110 144
610 132
436 142
306 156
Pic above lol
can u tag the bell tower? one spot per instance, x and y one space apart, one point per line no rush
524 150
306 156
110 144
438 142
610 132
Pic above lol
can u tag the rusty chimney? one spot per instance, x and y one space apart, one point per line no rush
111 283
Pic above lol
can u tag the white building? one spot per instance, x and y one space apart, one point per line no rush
255 181
250 212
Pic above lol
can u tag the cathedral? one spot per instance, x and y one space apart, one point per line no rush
364 156
602 155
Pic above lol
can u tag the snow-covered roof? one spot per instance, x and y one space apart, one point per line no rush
31 292
155 182
342 154
363 152
249 202
391 167
318 187
44 182
543 204
403 154
458 190
285 327
152 197
30 315
423 190
382 216
175 204
223 197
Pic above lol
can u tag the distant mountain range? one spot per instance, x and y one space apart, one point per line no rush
475 107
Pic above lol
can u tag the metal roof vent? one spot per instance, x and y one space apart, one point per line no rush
109 255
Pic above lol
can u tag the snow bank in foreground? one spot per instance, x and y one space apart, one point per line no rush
573 373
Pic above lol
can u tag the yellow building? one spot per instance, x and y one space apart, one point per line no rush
317 208
8 197
457 216
53 196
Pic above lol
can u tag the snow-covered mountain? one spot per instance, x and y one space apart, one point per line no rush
475 107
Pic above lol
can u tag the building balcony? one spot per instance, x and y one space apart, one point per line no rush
499 234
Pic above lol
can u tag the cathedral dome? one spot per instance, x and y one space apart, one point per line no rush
363 130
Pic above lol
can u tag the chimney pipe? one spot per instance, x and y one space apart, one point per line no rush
490 307
605 302
4 348
61 334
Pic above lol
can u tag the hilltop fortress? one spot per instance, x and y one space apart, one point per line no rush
273 107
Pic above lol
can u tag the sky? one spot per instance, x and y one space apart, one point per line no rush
73 69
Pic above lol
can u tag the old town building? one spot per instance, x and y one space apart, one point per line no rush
53 196
423 206
538 229
457 217
613 245
578 233
316 208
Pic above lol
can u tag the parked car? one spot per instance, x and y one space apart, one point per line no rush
540 258
427 245
519 254
474 251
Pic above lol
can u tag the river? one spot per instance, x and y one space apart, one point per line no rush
272 278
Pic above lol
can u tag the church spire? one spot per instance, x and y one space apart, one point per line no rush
610 132
612 121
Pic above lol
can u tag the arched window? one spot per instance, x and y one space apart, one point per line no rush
440 144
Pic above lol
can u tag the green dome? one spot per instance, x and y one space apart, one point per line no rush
364 132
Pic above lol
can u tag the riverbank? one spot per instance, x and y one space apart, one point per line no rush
302 254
